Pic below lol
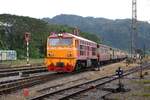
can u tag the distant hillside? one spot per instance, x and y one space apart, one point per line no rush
113 32
12 29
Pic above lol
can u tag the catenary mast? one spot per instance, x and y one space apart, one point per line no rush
134 28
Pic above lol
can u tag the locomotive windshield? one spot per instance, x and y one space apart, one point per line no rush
60 41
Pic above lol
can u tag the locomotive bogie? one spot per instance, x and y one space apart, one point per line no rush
60 64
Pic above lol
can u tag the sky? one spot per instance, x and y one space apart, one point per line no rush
112 9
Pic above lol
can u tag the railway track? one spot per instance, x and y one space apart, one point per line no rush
16 71
7 87
9 66
66 93
13 85
19 69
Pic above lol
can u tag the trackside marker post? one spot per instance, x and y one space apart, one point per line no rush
27 38
141 69
25 92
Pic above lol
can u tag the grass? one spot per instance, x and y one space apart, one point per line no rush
141 94
145 81
22 62
147 88
141 81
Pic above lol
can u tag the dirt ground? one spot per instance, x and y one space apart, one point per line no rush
136 89
139 88
90 75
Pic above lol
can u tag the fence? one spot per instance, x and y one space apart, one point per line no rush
8 55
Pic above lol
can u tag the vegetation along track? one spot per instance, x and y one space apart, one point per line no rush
64 94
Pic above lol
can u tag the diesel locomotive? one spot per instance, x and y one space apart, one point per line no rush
67 52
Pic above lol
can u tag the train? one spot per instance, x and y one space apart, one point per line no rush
66 52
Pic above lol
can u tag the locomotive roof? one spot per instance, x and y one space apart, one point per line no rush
81 38
105 46
71 35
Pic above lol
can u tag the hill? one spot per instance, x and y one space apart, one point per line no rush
12 29
113 32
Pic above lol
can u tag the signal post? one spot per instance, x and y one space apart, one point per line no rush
27 39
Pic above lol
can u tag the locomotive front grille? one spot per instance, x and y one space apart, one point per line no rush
60 64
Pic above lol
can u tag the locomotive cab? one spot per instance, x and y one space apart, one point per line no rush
60 53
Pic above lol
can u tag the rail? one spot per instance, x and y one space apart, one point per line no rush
66 93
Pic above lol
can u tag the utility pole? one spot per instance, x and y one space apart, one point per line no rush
134 28
144 50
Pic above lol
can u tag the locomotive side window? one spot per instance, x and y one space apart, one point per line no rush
81 50
81 53
88 48
76 43
81 47
93 51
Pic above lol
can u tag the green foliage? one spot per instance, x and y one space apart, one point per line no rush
113 32
147 88
91 37
12 29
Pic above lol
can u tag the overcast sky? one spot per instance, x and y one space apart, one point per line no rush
112 9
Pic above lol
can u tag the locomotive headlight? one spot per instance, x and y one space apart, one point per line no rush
50 54
69 54
60 35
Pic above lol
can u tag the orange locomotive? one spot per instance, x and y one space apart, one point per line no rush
67 52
